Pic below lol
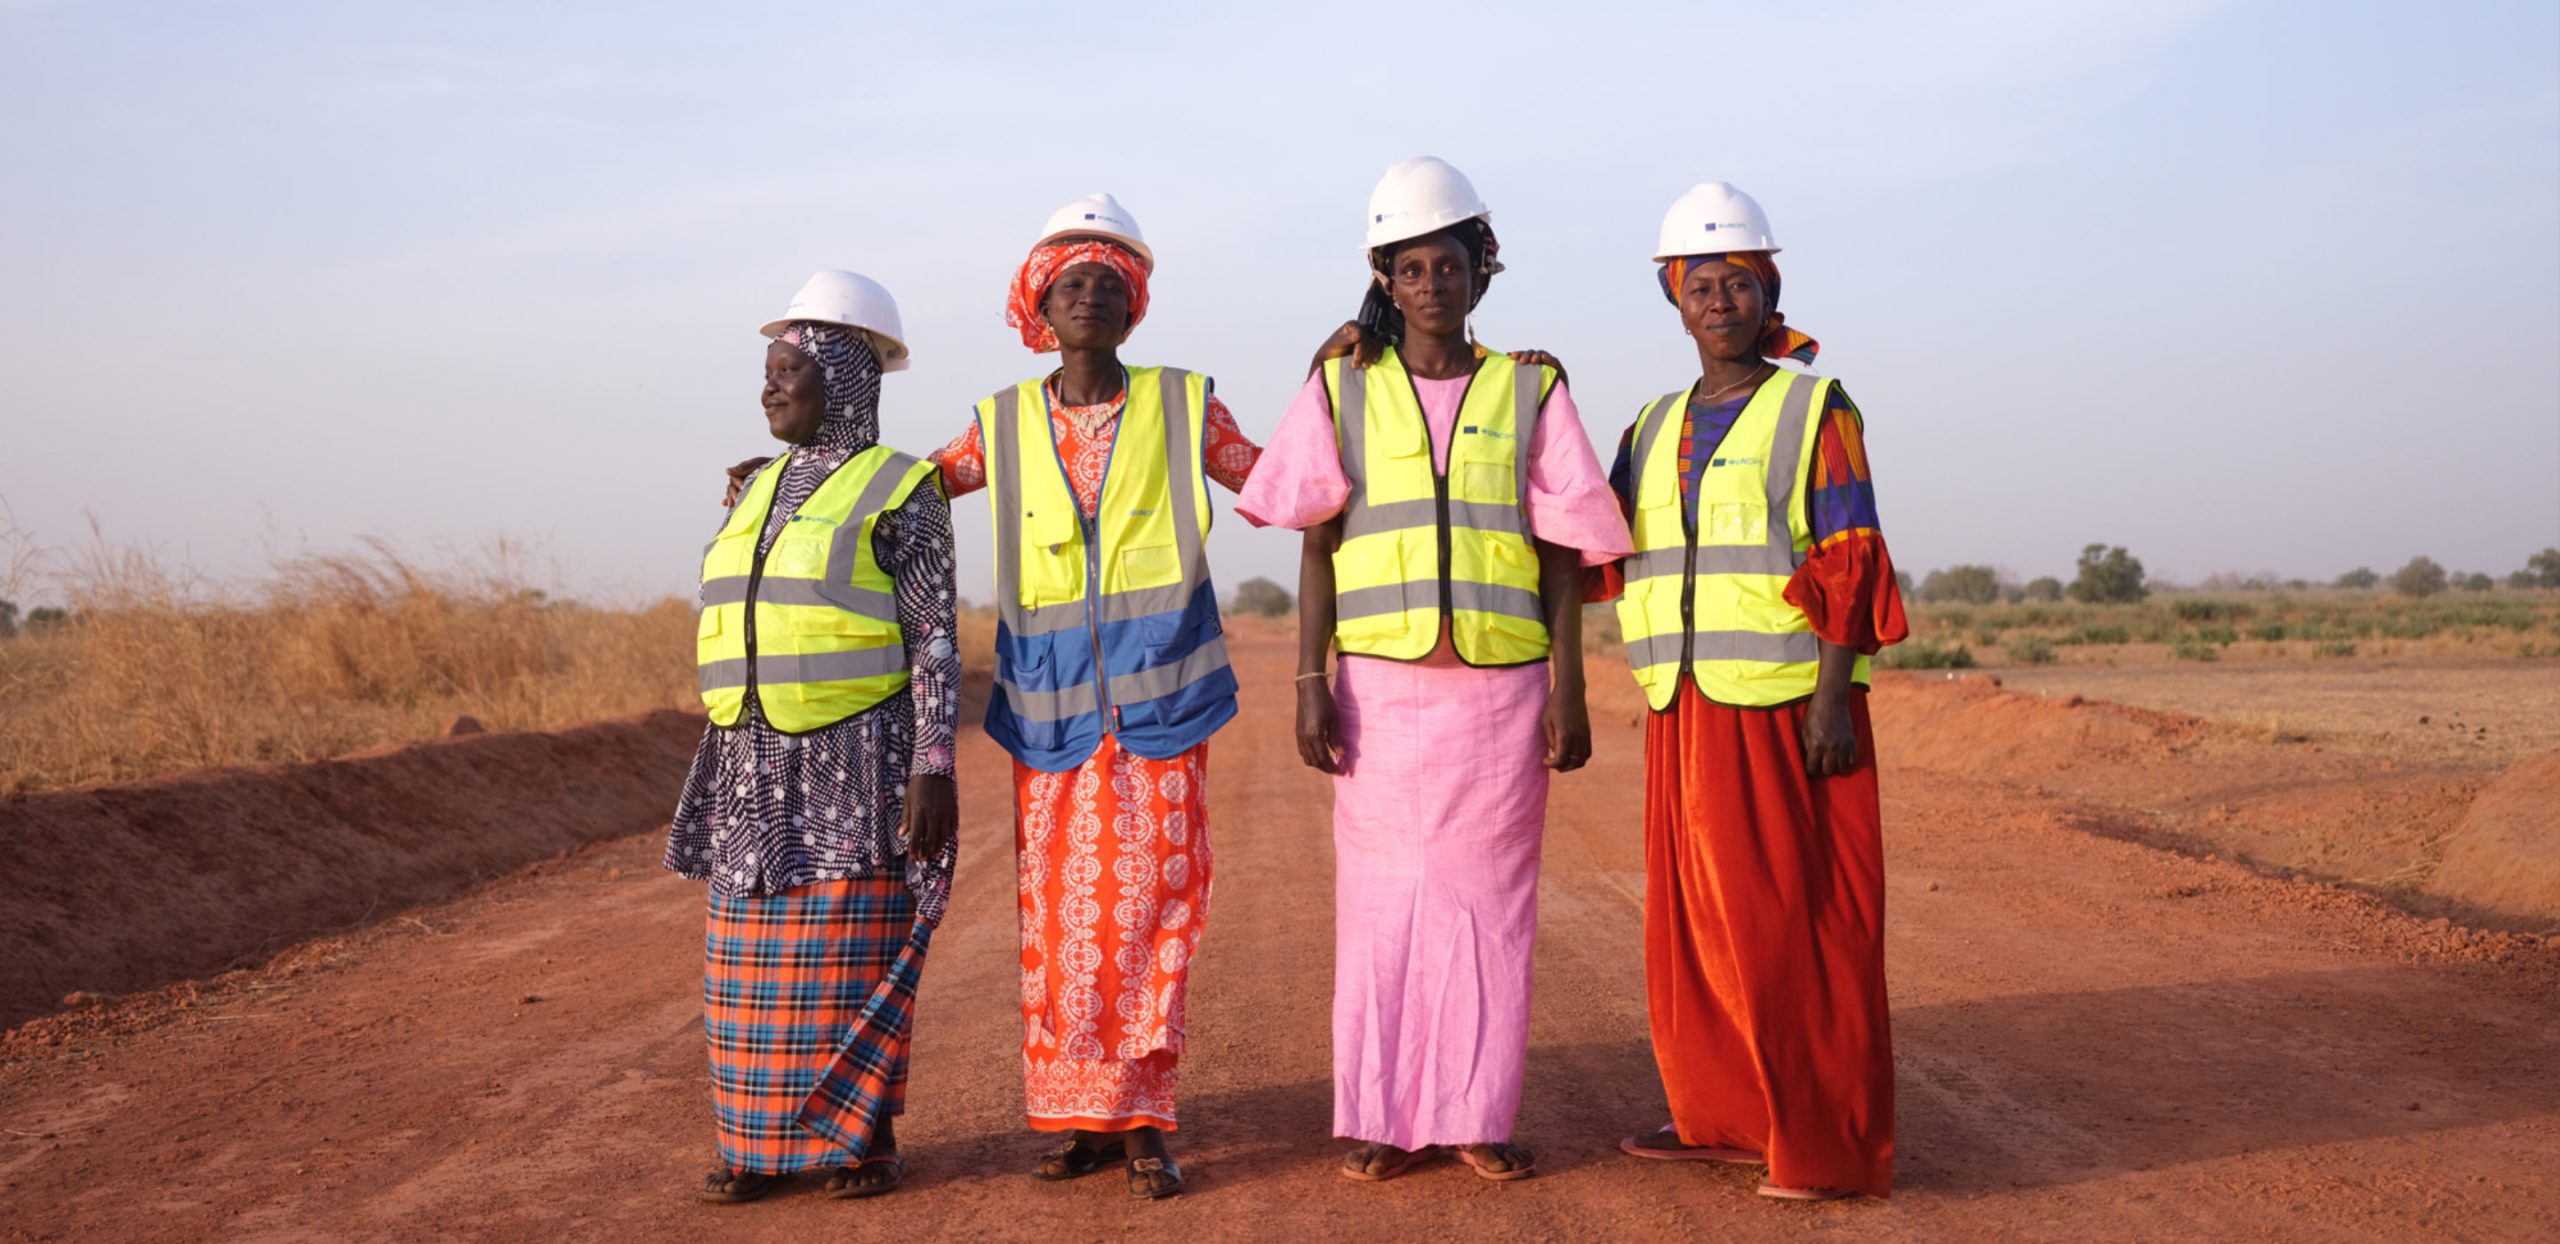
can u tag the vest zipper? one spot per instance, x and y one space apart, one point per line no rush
1440 499
1093 602
1092 541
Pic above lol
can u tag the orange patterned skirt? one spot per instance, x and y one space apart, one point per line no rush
1114 870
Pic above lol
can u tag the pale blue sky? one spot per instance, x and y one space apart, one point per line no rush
2241 286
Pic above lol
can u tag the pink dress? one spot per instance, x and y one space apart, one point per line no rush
1438 820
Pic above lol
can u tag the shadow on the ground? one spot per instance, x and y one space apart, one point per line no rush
2040 1090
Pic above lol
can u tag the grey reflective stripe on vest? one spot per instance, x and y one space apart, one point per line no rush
1147 684
1526 404
1164 680
1795 646
1779 555
778 668
1056 705
732 590
1517 602
1182 479
1370 602
1648 432
1361 520
1351 421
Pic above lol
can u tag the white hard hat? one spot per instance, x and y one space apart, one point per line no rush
1418 196
854 301
1714 219
1101 216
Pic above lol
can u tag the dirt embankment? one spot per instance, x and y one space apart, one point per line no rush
2506 855
118 888
2283 803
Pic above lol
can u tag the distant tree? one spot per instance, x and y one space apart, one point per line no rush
2540 570
2108 576
2359 578
1902 579
1262 598
43 618
1972 585
2421 577
8 619
2046 588
2476 582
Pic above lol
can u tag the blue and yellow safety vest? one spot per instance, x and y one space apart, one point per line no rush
1106 624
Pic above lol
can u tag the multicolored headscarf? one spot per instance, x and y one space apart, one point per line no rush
1777 341
852 376
1031 284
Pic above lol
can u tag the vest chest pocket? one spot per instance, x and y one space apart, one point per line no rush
1494 483
801 553
1150 565
1052 556
709 627
1734 522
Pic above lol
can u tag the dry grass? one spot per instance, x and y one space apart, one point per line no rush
160 672
2320 624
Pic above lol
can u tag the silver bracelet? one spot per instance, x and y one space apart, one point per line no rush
1304 677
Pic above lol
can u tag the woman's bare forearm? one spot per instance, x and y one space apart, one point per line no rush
1315 595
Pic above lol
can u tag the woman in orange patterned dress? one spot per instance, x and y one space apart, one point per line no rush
1111 829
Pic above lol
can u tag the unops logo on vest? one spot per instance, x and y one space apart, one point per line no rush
1736 462
1475 430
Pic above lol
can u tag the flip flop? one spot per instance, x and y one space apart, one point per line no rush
1411 1158
742 1186
1685 1153
841 1187
1774 1192
1080 1159
1141 1189
1525 1166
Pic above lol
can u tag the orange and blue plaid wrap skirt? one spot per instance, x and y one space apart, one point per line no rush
808 999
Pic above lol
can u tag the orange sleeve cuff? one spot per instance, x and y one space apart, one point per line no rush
1848 591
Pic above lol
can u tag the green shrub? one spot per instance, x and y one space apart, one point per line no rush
2267 631
2102 633
2334 648
1927 654
2194 650
2030 650
2217 635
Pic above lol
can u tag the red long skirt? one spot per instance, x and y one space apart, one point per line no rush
1764 943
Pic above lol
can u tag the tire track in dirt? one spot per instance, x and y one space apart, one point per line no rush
2096 1040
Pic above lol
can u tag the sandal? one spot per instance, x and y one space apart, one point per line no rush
1355 1164
727 1187
1678 1151
1520 1163
1775 1192
1144 1188
1076 1159
847 1184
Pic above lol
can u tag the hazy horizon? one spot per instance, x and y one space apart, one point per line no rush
2241 287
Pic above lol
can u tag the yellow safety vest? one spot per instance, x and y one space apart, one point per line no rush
1109 624
1706 593
812 626
1421 545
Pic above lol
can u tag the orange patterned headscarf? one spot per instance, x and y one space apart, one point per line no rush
1777 341
1031 284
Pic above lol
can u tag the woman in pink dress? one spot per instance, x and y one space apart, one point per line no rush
1440 760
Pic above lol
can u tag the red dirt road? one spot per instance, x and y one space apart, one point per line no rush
2096 1041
